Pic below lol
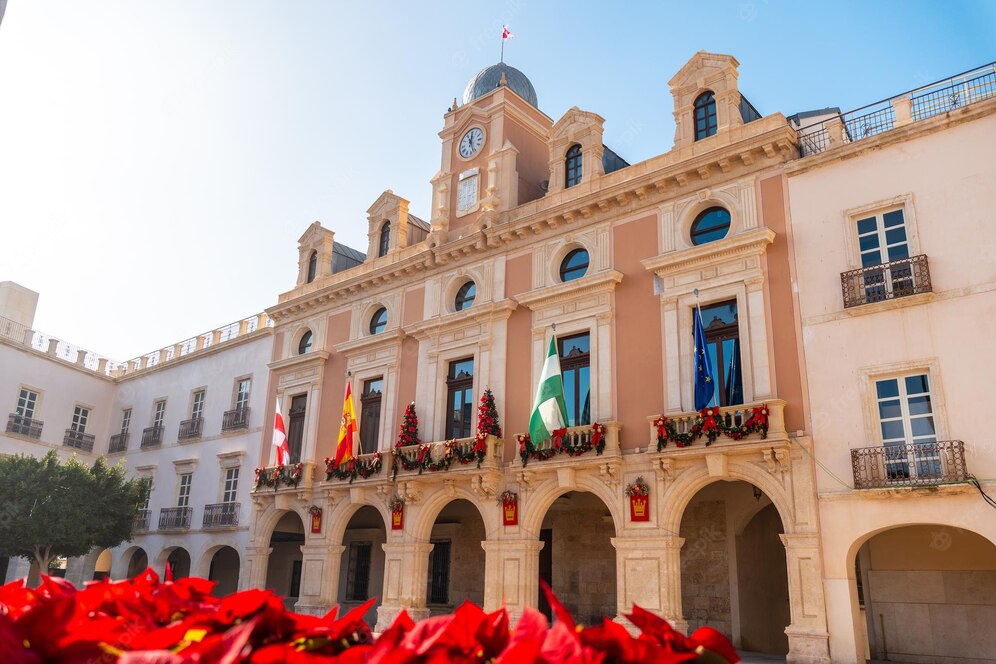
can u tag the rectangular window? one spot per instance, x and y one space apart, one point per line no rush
231 485
295 426
575 361
242 393
459 398
467 190
906 422
159 413
439 572
125 420
722 332
183 494
370 414
197 408
26 402
80 417
882 238
147 492
358 572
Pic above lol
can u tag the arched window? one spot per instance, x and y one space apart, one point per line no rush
385 238
465 296
379 321
711 225
304 345
705 115
574 265
572 166
312 266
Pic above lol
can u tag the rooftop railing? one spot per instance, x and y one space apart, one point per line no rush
912 106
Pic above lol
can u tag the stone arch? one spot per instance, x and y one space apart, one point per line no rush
393 316
689 483
201 561
123 561
867 535
429 509
748 512
184 560
341 514
538 503
227 580
266 521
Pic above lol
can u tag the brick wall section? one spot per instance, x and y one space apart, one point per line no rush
705 568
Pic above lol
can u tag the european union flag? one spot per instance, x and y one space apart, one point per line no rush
705 379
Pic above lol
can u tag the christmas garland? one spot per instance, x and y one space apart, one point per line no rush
362 468
709 423
452 451
288 475
638 488
527 450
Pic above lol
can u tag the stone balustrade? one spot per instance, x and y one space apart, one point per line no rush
449 455
740 420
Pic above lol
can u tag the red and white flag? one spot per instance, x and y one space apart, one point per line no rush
505 33
280 437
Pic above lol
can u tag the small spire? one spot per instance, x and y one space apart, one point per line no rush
504 81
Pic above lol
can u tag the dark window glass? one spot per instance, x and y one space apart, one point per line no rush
465 296
711 225
574 265
705 115
358 573
295 426
723 344
304 345
573 166
312 266
439 572
370 414
379 321
460 398
385 239
575 361
295 582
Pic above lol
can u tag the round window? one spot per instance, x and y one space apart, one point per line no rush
465 296
711 225
304 345
379 321
574 265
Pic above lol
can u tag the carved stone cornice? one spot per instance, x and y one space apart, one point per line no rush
598 282
369 342
315 358
750 243
478 313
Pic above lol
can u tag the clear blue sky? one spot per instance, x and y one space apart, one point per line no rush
159 160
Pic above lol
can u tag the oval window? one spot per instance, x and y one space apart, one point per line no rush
711 225
574 265
304 345
465 296
379 321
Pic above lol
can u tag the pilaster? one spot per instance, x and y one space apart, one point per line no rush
809 642
511 568
406 569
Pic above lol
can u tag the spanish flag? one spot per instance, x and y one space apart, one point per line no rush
348 429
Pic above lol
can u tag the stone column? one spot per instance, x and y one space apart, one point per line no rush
254 567
648 573
319 577
809 642
511 570
406 573
672 354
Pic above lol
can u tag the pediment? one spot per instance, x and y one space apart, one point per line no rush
313 234
386 201
703 65
575 119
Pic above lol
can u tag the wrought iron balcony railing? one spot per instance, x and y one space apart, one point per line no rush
24 426
888 281
175 518
152 436
190 428
79 440
922 464
119 443
221 515
237 418
142 520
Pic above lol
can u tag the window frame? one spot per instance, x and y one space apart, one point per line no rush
384 239
312 266
717 335
367 403
438 547
567 257
184 488
353 571
850 217
230 484
237 402
573 166
305 342
457 385
577 363
375 328
81 417
468 181
461 301
709 115
699 216
197 404
35 405
125 421
159 413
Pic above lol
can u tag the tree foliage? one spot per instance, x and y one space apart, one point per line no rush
51 508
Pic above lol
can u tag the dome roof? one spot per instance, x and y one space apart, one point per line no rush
488 79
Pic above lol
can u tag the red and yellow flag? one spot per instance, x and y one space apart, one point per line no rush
348 429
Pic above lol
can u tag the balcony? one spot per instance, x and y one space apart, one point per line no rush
888 281
24 426
221 515
175 518
574 445
287 478
142 520
119 443
361 467
922 464
451 455
683 433
235 419
152 436
79 440
190 429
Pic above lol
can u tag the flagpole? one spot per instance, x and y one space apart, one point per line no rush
501 58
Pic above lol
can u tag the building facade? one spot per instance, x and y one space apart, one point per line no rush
744 516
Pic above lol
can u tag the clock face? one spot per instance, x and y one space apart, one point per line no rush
471 143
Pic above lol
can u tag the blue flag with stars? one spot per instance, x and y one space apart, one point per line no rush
705 379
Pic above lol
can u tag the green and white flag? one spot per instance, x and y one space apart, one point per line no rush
549 409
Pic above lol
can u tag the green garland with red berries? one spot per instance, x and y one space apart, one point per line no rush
288 475
572 446
362 468
710 423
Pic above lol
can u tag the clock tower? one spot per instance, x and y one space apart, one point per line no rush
494 154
